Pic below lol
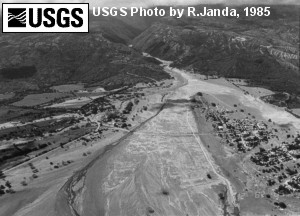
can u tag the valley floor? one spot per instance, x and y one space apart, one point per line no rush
162 167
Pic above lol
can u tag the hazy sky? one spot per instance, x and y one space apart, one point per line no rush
160 2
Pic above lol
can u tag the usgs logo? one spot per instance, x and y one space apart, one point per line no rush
45 18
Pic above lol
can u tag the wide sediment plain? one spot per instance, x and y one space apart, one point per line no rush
160 167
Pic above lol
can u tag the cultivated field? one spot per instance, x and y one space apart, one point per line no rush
68 88
39 99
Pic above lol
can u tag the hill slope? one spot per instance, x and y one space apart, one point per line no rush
262 50
33 61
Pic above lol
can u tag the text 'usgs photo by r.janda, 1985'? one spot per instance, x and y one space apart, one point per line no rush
149 108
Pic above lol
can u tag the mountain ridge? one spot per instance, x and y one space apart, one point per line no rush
263 51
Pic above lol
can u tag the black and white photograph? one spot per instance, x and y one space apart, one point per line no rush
149 108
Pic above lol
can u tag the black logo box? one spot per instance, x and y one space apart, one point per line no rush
44 4
15 22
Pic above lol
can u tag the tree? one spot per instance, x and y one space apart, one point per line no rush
2 192
8 184
2 176
128 108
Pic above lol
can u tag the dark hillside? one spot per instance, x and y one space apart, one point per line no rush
120 29
29 60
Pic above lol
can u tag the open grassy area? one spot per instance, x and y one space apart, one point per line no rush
6 96
68 88
39 99
41 138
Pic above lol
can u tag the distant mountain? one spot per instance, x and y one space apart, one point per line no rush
263 50
120 29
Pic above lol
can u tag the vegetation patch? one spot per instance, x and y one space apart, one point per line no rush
18 72
39 99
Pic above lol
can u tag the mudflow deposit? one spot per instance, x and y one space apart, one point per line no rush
152 116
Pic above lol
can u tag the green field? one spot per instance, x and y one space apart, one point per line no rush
6 96
68 88
39 99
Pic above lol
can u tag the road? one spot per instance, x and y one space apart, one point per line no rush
229 186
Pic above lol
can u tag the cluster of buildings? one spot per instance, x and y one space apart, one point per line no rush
245 134
278 162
